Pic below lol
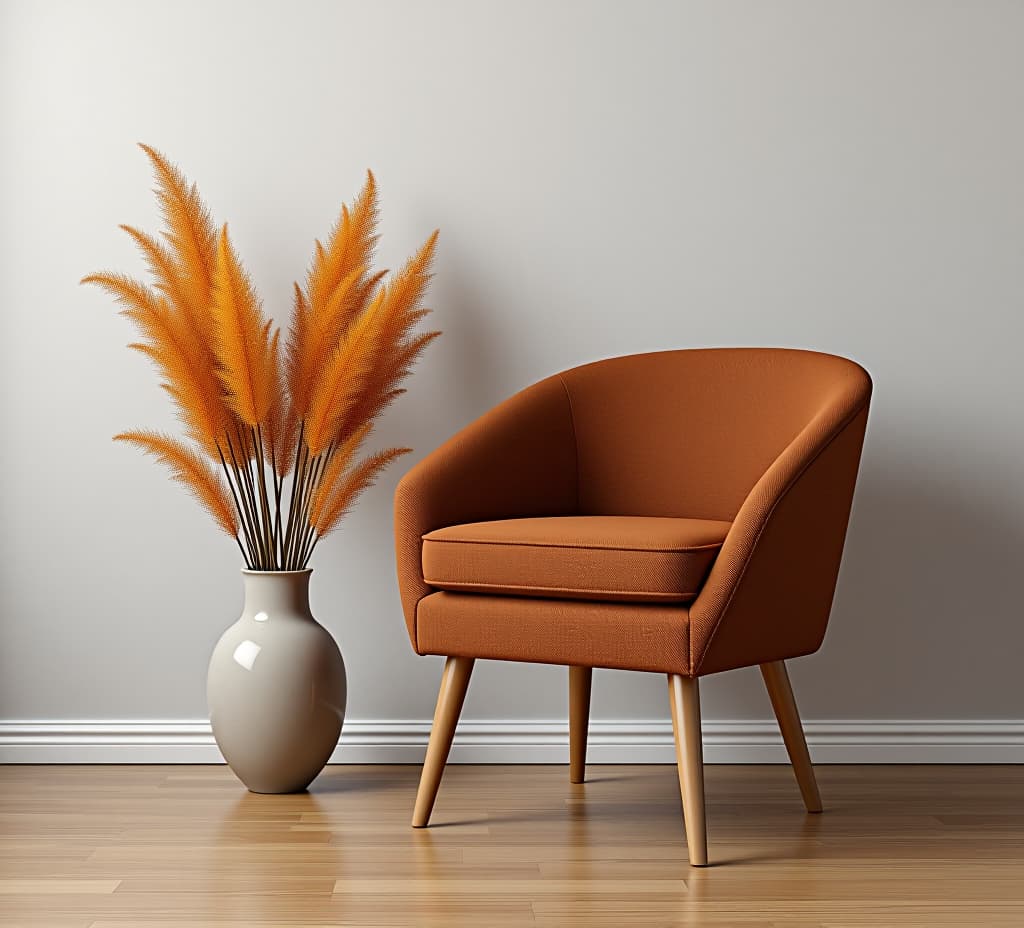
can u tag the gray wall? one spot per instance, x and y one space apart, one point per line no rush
608 178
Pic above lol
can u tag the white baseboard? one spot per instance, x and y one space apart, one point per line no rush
916 741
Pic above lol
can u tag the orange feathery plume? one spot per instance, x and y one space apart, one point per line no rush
317 329
167 342
241 337
337 466
396 351
191 472
166 274
183 269
406 289
336 293
360 378
344 379
190 233
358 479
279 434
241 399
296 372
395 367
350 245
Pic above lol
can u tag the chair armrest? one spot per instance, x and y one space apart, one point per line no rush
769 593
517 460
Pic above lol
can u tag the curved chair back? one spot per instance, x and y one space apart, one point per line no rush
690 432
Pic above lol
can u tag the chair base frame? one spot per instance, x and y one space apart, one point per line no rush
684 701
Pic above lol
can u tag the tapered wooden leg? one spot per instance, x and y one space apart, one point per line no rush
454 683
579 721
684 697
776 679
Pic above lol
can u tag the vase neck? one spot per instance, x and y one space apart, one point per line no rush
276 591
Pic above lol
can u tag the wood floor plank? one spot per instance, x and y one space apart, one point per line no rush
166 847
55 887
446 886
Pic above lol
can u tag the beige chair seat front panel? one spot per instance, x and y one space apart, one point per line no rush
608 558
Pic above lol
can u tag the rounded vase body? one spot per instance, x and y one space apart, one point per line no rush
276 688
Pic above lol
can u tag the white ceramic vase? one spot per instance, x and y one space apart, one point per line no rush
276 687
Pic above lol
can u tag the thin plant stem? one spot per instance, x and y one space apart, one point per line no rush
310 529
279 550
305 548
250 558
312 485
294 507
261 470
245 559
250 482
241 501
257 532
246 486
309 483
295 485
312 548
308 468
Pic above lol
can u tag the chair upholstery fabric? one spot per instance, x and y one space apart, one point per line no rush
612 558
626 636
768 440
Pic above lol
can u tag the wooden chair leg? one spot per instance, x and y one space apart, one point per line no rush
776 679
579 721
684 697
454 683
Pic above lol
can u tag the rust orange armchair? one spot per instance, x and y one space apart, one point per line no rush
681 512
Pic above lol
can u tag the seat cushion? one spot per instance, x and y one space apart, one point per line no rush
616 558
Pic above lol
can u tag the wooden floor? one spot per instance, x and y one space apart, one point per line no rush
187 846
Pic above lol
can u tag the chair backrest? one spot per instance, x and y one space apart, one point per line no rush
689 433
